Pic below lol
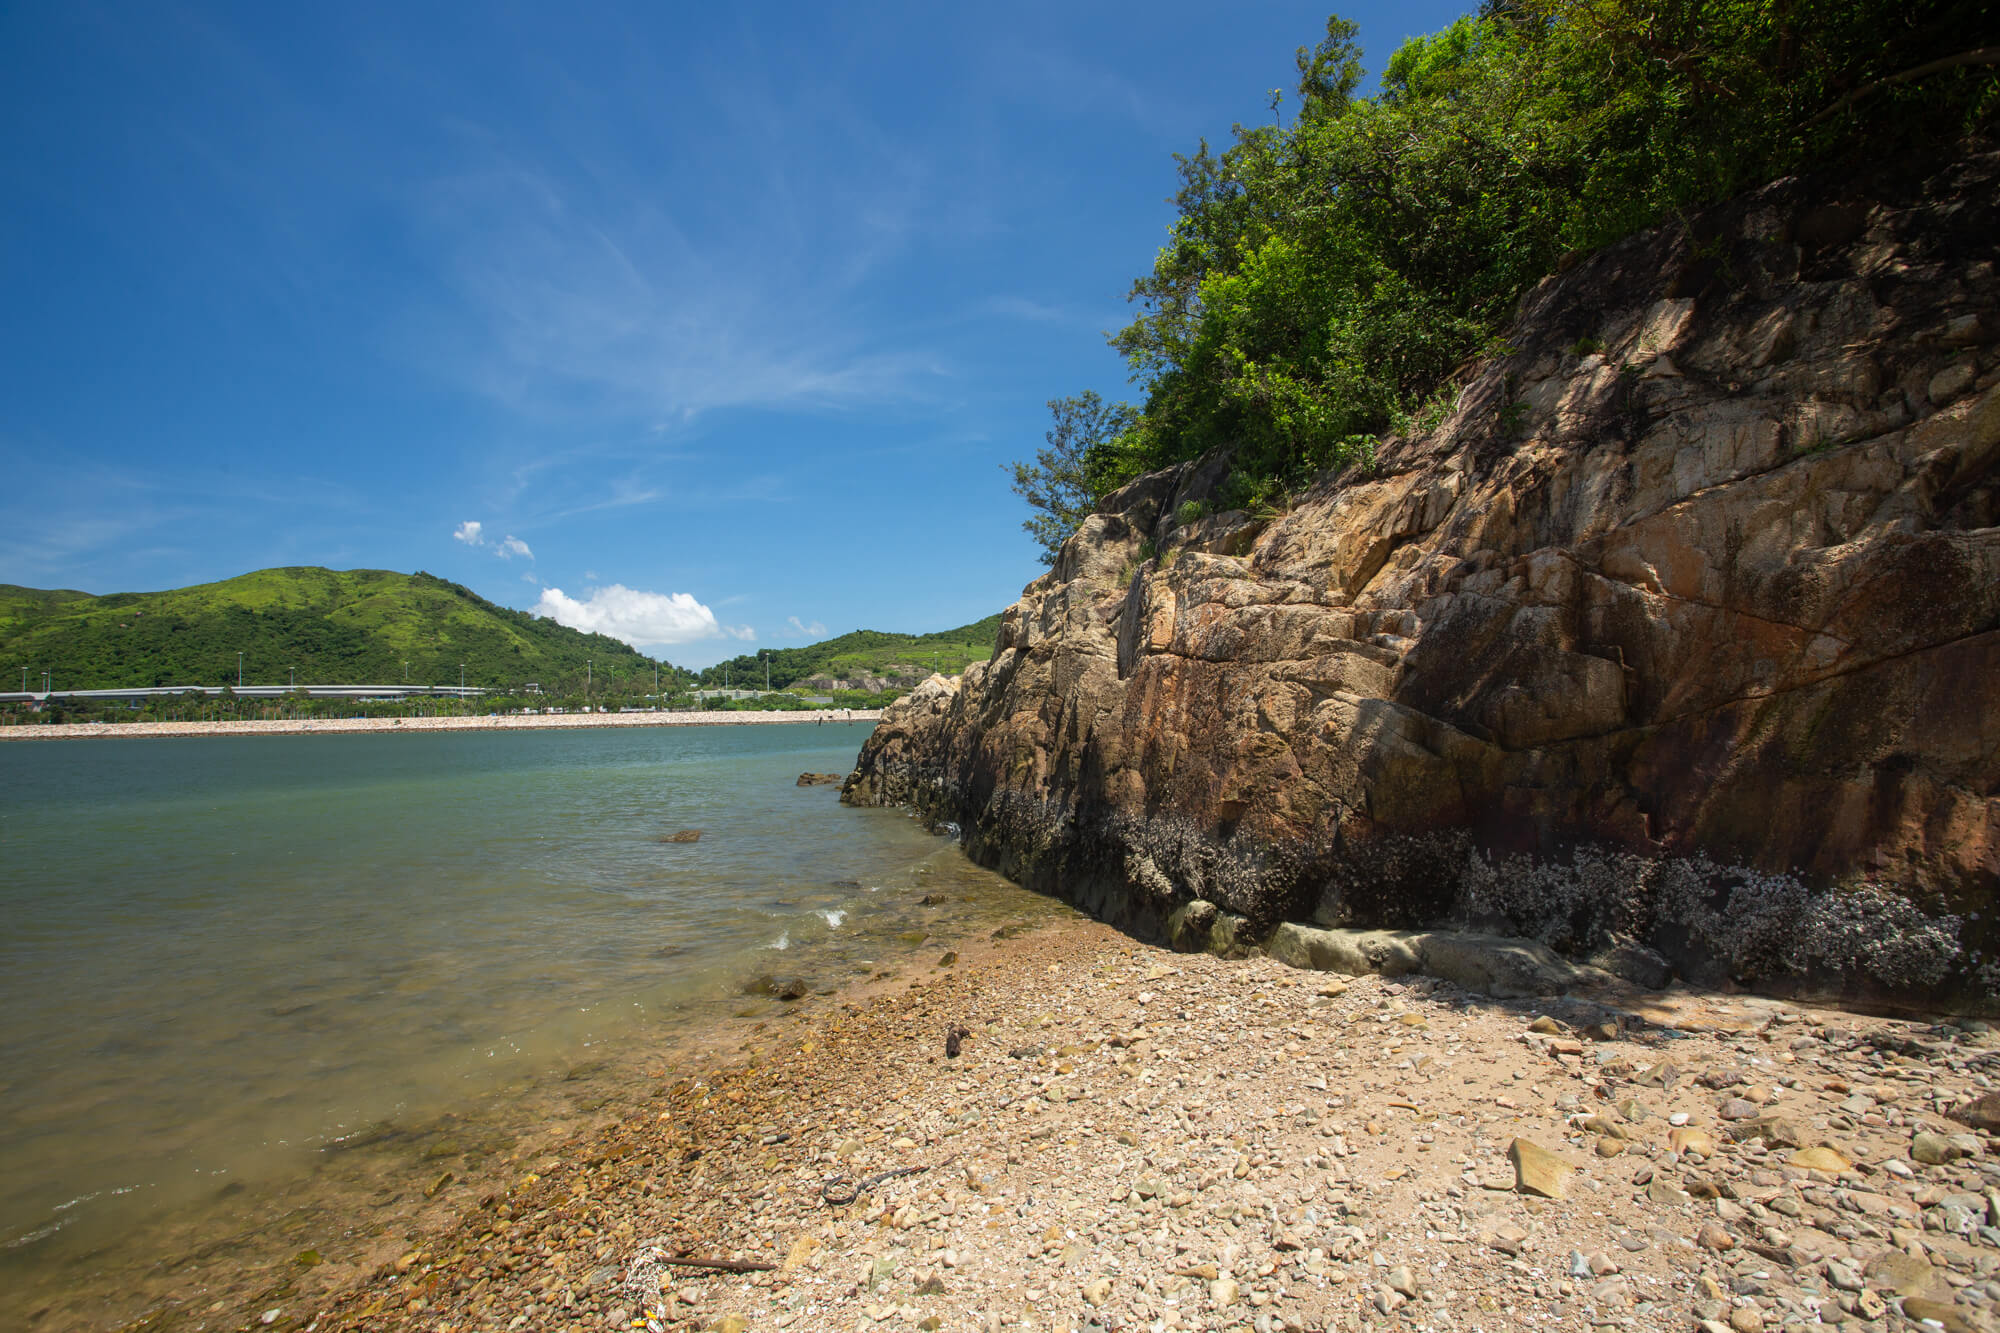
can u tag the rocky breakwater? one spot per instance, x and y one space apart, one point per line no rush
1671 648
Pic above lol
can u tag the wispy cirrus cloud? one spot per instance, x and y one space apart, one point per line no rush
601 296
116 527
1069 85
801 630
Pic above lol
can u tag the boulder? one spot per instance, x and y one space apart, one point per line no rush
1904 1274
818 779
778 986
1352 952
1823 1159
1933 1149
1494 965
685 835
1982 1113
1189 925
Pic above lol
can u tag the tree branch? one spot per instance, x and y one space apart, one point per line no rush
1989 55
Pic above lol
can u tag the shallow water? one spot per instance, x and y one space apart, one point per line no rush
256 988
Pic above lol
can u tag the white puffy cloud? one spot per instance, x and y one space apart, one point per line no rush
634 616
511 546
805 631
468 532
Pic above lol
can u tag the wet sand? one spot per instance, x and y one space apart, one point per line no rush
502 722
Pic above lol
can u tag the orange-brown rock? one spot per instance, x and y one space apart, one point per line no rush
1688 613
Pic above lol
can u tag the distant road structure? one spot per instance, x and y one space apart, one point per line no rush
142 692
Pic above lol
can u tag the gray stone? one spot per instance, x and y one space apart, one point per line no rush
1496 965
1952 381
1903 1274
1932 1149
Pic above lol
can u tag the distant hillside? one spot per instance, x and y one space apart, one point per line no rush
865 651
332 626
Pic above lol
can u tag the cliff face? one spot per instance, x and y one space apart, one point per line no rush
1678 638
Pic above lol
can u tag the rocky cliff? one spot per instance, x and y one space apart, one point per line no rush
1676 643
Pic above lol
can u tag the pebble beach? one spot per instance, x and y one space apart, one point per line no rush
1122 1138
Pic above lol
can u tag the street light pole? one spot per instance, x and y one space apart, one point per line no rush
239 668
586 680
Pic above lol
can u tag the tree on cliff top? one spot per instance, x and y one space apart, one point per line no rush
1058 485
1325 279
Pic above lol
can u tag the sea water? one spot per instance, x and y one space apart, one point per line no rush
256 992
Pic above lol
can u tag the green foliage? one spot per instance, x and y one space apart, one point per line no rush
1192 511
863 650
1324 281
1058 485
327 626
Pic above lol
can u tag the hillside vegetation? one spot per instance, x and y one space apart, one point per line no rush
372 626
862 651
329 626
1330 276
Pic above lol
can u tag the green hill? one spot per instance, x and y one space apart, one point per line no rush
863 651
357 626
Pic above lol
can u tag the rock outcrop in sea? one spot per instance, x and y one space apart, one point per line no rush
1675 646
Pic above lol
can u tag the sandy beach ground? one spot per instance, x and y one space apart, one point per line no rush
1131 1139
501 722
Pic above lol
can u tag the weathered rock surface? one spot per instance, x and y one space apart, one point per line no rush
1686 613
1488 964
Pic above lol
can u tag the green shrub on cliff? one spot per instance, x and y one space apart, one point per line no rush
1325 278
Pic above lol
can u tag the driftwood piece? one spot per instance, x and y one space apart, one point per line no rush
723 1265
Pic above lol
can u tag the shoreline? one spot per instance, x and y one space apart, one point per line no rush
1135 1139
177 1265
35 731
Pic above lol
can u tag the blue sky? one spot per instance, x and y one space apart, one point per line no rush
708 326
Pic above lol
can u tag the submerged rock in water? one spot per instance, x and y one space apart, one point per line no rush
685 835
782 987
818 779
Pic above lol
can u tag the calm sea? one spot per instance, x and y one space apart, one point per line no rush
257 992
